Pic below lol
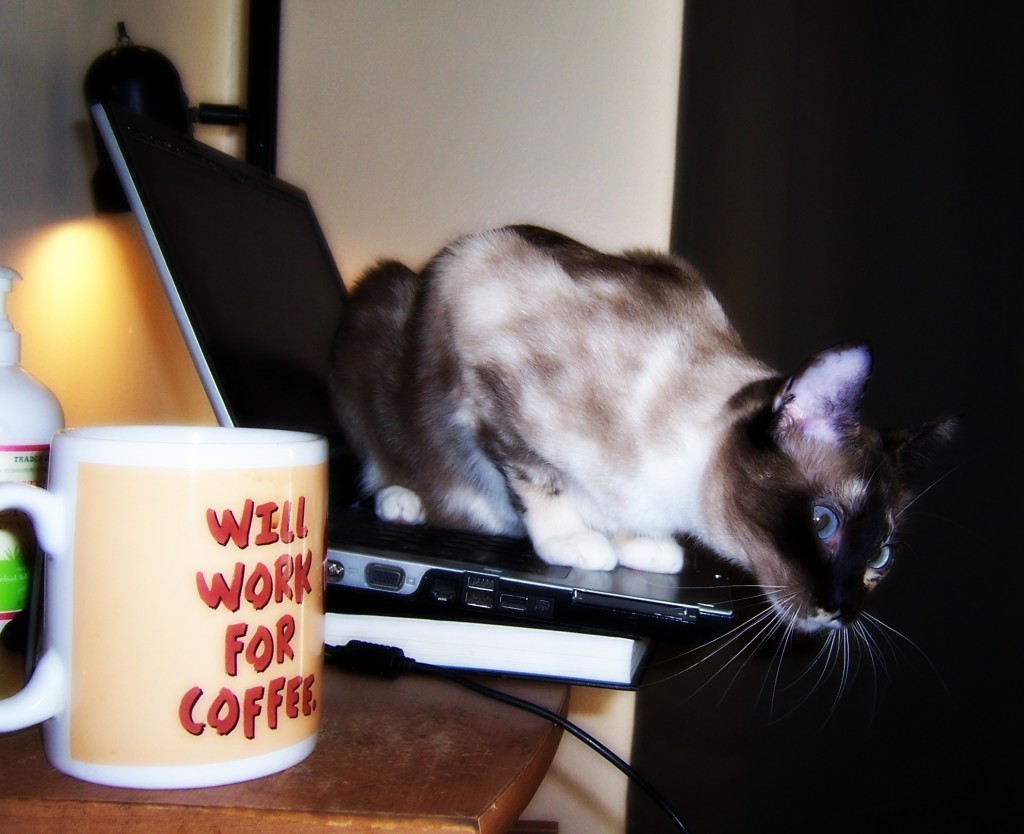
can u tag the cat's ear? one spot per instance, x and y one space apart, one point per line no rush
912 447
821 401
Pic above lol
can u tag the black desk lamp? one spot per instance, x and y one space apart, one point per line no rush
142 80
145 81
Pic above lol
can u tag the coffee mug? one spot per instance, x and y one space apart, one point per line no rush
183 617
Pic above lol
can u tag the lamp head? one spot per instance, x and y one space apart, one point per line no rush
143 80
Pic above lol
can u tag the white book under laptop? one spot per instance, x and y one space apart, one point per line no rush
609 660
258 297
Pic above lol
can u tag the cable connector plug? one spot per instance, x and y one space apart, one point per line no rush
370 659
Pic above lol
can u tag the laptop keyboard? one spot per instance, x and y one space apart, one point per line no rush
359 527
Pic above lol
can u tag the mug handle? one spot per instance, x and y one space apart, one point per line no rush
43 696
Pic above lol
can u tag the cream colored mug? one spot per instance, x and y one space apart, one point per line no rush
183 608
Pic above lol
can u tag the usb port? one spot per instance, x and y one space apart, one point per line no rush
513 602
480 599
481 583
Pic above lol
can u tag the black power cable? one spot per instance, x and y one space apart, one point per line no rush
390 662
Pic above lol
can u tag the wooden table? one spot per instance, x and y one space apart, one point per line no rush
405 755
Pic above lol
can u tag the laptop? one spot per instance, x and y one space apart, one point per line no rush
258 297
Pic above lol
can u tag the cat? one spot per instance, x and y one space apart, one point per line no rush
603 405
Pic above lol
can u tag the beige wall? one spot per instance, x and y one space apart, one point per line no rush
410 122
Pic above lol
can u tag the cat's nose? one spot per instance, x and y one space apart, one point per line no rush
844 602
844 616
823 618
840 620
834 621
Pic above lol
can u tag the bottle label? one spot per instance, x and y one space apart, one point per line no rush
24 464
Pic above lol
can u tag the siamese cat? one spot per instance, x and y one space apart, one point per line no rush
602 404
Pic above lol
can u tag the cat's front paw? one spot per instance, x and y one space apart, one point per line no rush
654 555
399 506
583 549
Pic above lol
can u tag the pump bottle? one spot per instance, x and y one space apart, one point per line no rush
29 415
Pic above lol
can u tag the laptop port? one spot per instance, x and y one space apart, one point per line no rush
514 602
479 599
385 577
442 589
481 583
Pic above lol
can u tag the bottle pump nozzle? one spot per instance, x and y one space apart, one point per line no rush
10 340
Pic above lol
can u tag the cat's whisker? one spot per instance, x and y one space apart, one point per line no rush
867 641
758 630
949 521
927 489
752 597
724 641
876 660
826 656
840 655
877 469
874 650
762 613
767 631
777 659
838 658
846 659
843 650
887 631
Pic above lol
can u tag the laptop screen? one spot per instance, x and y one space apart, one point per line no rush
254 277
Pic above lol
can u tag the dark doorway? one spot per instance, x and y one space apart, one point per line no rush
853 170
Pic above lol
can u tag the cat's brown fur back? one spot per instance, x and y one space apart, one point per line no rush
604 405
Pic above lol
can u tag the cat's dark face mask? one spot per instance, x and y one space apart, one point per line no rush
840 547
856 552
813 513
815 553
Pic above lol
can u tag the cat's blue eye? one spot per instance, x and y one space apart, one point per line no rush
826 522
882 559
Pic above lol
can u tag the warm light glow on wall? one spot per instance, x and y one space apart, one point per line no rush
97 329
